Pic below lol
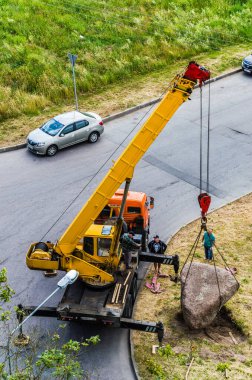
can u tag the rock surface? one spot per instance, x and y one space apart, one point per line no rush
200 298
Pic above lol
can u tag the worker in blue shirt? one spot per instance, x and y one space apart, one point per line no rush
208 241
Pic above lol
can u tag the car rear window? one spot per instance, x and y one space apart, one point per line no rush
52 127
81 124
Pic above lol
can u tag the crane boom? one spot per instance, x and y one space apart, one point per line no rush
107 288
179 91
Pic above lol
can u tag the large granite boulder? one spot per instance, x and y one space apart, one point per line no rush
200 298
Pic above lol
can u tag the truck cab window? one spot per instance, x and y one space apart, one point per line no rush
134 210
105 213
88 245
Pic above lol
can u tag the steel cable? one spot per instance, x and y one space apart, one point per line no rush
201 136
217 280
226 263
193 249
208 138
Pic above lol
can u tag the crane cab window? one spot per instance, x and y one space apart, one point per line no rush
134 210
106 230
88 245
107 213
104 246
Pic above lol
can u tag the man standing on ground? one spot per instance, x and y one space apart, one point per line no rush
128 245
157 246
208 241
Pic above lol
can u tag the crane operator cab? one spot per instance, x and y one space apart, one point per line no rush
92 256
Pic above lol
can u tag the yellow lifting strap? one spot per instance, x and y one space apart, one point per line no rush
124 166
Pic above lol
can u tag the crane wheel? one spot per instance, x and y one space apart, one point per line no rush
133 289
144 241
128 309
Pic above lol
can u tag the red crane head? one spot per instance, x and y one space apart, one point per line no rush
204 202
196 72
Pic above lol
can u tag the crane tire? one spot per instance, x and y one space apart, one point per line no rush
133 289
128 309
144 241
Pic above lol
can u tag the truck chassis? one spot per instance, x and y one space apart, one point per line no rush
111 306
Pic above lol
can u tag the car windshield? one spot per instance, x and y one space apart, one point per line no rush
52 127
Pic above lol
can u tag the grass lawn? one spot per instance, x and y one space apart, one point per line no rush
216 353
127 52
120 96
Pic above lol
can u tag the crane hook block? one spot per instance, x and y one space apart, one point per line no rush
204 202
196 72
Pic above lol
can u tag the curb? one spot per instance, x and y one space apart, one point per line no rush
13 147
130 341
132 357
129 110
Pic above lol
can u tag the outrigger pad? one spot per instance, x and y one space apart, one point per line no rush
154 286
50 273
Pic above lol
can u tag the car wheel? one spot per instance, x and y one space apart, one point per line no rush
52 150
93 137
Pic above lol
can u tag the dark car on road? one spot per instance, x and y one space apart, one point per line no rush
247 64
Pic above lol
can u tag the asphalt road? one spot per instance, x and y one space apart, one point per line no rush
35 190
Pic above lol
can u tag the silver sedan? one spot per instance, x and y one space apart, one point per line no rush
64 130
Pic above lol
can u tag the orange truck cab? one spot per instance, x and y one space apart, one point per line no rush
136 213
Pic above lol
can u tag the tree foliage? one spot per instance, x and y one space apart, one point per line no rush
58 360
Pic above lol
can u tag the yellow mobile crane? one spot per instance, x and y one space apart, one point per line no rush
94 250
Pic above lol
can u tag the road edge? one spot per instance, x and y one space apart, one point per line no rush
127 111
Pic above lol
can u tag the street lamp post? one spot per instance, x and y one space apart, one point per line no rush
22 339
68 279
73 59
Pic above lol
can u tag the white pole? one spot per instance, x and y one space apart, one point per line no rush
34 311
75 91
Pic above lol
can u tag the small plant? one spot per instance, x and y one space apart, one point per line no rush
155 369
5 295
245 281
183 359
176 298
222 367
166 351
197 255
248 363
